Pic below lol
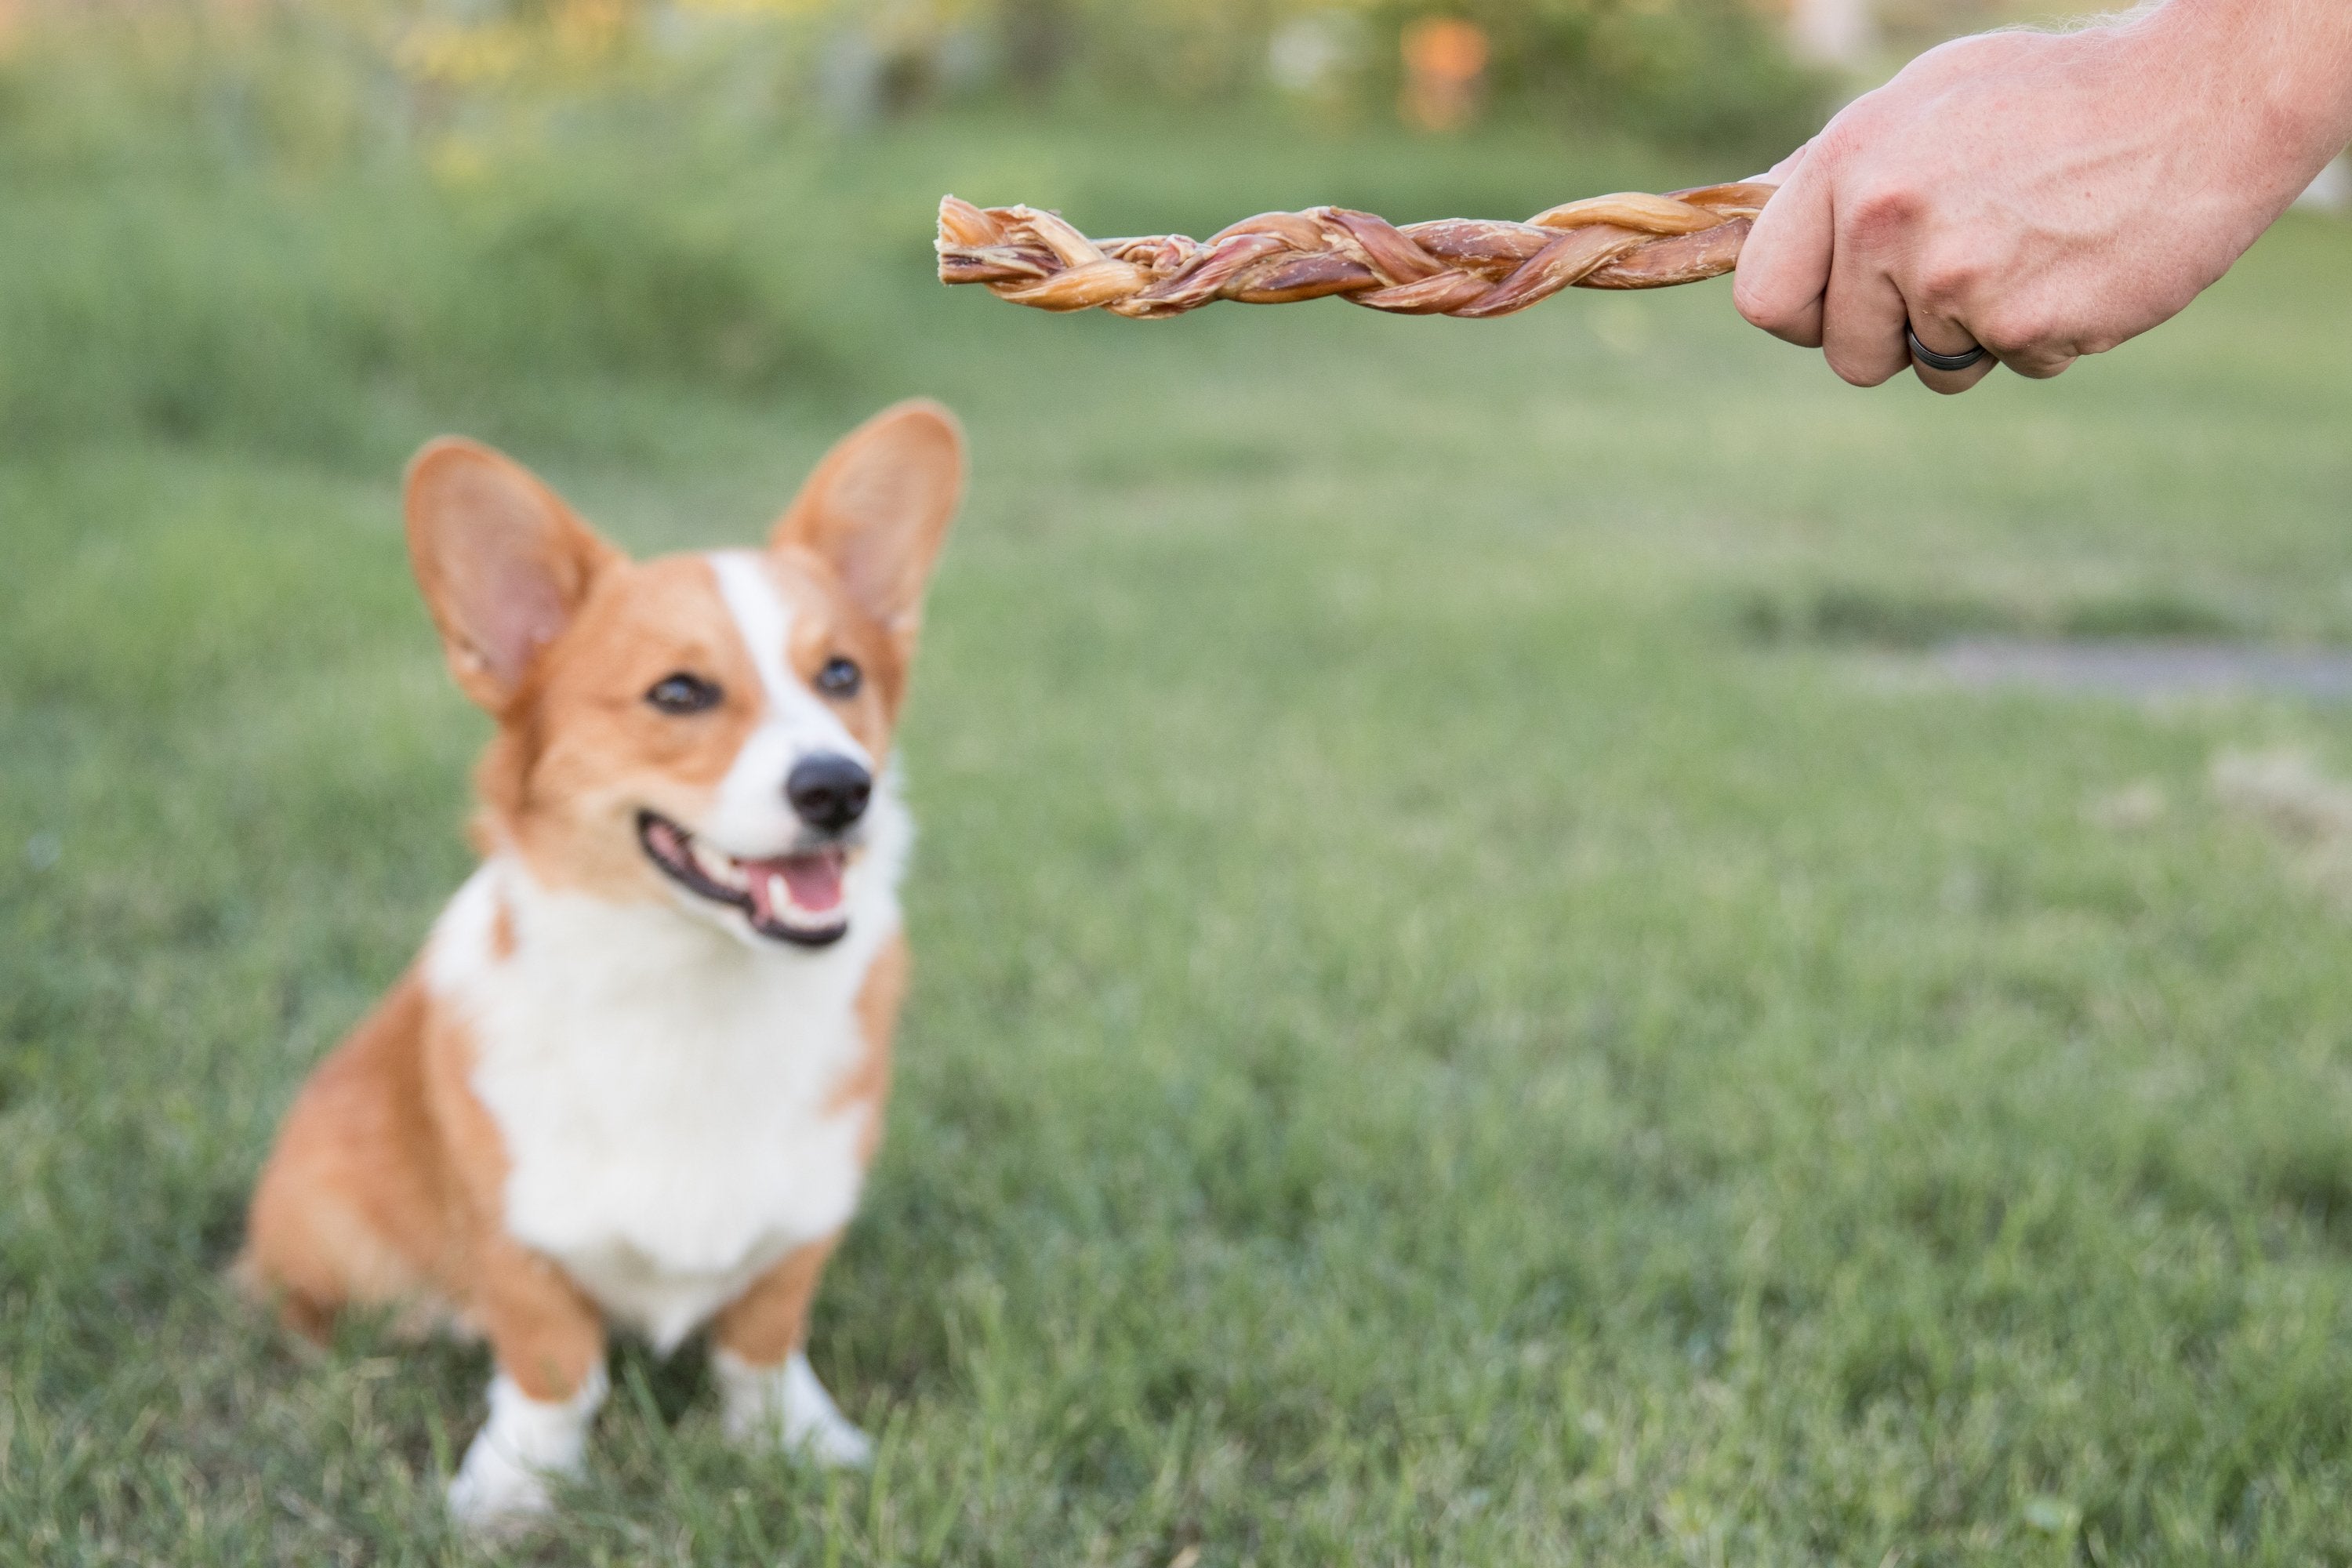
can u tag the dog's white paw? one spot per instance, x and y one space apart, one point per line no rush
832 1438
504 1483
493 1495
785 1407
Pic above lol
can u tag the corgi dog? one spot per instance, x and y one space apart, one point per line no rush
637 1072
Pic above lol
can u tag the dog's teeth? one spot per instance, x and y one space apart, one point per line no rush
779 897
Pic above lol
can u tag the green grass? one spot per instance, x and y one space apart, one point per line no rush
1432 1042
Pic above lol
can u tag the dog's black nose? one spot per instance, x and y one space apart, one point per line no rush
829 790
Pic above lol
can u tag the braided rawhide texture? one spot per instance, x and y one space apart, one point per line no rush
1451 267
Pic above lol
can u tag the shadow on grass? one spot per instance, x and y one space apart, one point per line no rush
1865 615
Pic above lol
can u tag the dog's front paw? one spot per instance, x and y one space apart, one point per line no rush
492 1495
831 1438
503 1484
785 1407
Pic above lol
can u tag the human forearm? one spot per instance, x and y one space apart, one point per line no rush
2273 81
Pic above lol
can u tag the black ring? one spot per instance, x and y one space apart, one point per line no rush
1934 360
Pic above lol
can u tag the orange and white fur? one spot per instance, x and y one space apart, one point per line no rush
637 1072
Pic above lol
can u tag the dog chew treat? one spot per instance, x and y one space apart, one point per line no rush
1450 267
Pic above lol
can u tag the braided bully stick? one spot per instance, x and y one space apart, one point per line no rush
1450 267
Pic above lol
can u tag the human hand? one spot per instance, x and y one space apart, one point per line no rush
2048 196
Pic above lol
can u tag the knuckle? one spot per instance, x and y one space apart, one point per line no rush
1759 310
1944 284
2016 332
1772 310
1830 152
1881 212
1850 133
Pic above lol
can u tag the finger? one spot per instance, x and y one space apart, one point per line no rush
1861 322
1946 336
2040 364
1785 263
2025 337
1950 382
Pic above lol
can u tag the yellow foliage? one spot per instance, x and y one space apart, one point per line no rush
573 34
790 9
456 161
457 55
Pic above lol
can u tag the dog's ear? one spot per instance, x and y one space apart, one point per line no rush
878 507
502 560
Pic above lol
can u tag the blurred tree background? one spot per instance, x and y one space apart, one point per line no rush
264 219
1707 71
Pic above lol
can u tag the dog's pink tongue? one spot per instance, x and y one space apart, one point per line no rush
813 882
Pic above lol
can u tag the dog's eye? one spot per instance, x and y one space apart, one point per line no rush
839 677
683 694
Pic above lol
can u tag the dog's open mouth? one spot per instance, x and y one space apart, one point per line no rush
789 898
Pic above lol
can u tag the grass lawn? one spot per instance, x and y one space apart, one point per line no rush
1434 1041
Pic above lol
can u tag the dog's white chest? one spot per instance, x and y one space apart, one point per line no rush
668 1103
